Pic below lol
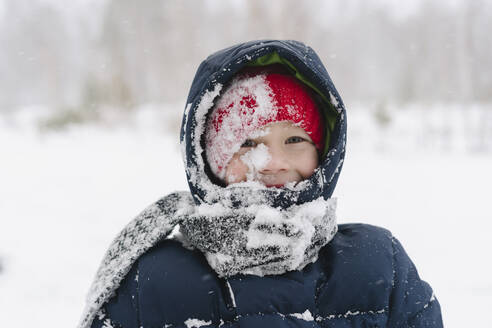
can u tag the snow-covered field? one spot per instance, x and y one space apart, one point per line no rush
64 196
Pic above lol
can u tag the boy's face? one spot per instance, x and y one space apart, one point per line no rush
282 153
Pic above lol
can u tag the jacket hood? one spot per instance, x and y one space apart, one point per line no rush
212 75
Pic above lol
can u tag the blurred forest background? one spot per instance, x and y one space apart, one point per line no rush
81 59
91 98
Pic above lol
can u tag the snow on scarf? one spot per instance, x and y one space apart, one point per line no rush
256 239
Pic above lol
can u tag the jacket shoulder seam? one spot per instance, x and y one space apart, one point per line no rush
348 314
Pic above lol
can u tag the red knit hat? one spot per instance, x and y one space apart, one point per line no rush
249 103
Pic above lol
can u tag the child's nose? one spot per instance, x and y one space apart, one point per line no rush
278 161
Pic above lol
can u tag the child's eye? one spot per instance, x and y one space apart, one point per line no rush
294 139
249 143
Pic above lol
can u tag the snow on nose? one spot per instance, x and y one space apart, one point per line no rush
256 159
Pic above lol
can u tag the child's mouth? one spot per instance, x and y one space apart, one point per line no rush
274 185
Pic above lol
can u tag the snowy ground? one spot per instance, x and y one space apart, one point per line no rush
64 196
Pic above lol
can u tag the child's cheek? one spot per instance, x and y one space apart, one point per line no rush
307 163
236 171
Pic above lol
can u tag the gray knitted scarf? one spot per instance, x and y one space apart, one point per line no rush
256 239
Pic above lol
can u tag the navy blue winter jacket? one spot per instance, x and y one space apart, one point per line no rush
362 277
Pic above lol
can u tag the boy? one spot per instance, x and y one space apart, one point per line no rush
263 139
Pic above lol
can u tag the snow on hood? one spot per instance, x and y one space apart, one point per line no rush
215 72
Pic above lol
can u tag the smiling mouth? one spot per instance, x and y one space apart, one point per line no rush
274 185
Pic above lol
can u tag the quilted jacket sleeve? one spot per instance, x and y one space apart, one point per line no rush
412 301
122 309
